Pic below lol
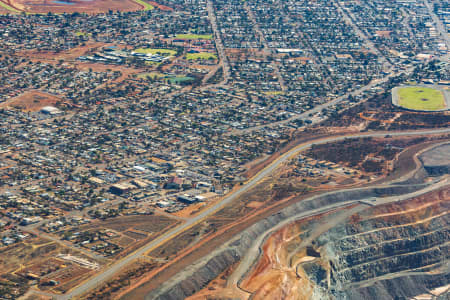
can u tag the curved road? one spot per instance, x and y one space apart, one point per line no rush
111 270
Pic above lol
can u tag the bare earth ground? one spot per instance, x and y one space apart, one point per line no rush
70 58
38 256
95 6
32 101
68 55
160 6
127 277
146 223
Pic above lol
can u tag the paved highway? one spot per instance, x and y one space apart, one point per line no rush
110 271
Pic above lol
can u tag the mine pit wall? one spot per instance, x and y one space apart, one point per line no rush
198 275
383 250
398 288
437 170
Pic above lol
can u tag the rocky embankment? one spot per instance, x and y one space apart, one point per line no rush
197 276
338 245
394 251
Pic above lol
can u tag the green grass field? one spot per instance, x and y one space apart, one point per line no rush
144 4
421 98
274 93
201 55
180 79
164 52
80 33
166 77
152 75
194 36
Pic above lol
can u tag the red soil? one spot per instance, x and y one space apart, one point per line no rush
160 6
86 6
32 101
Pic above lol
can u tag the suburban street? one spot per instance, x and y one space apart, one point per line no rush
267 49
219 44
439 25
349 19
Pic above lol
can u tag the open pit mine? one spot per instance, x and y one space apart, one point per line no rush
380 242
